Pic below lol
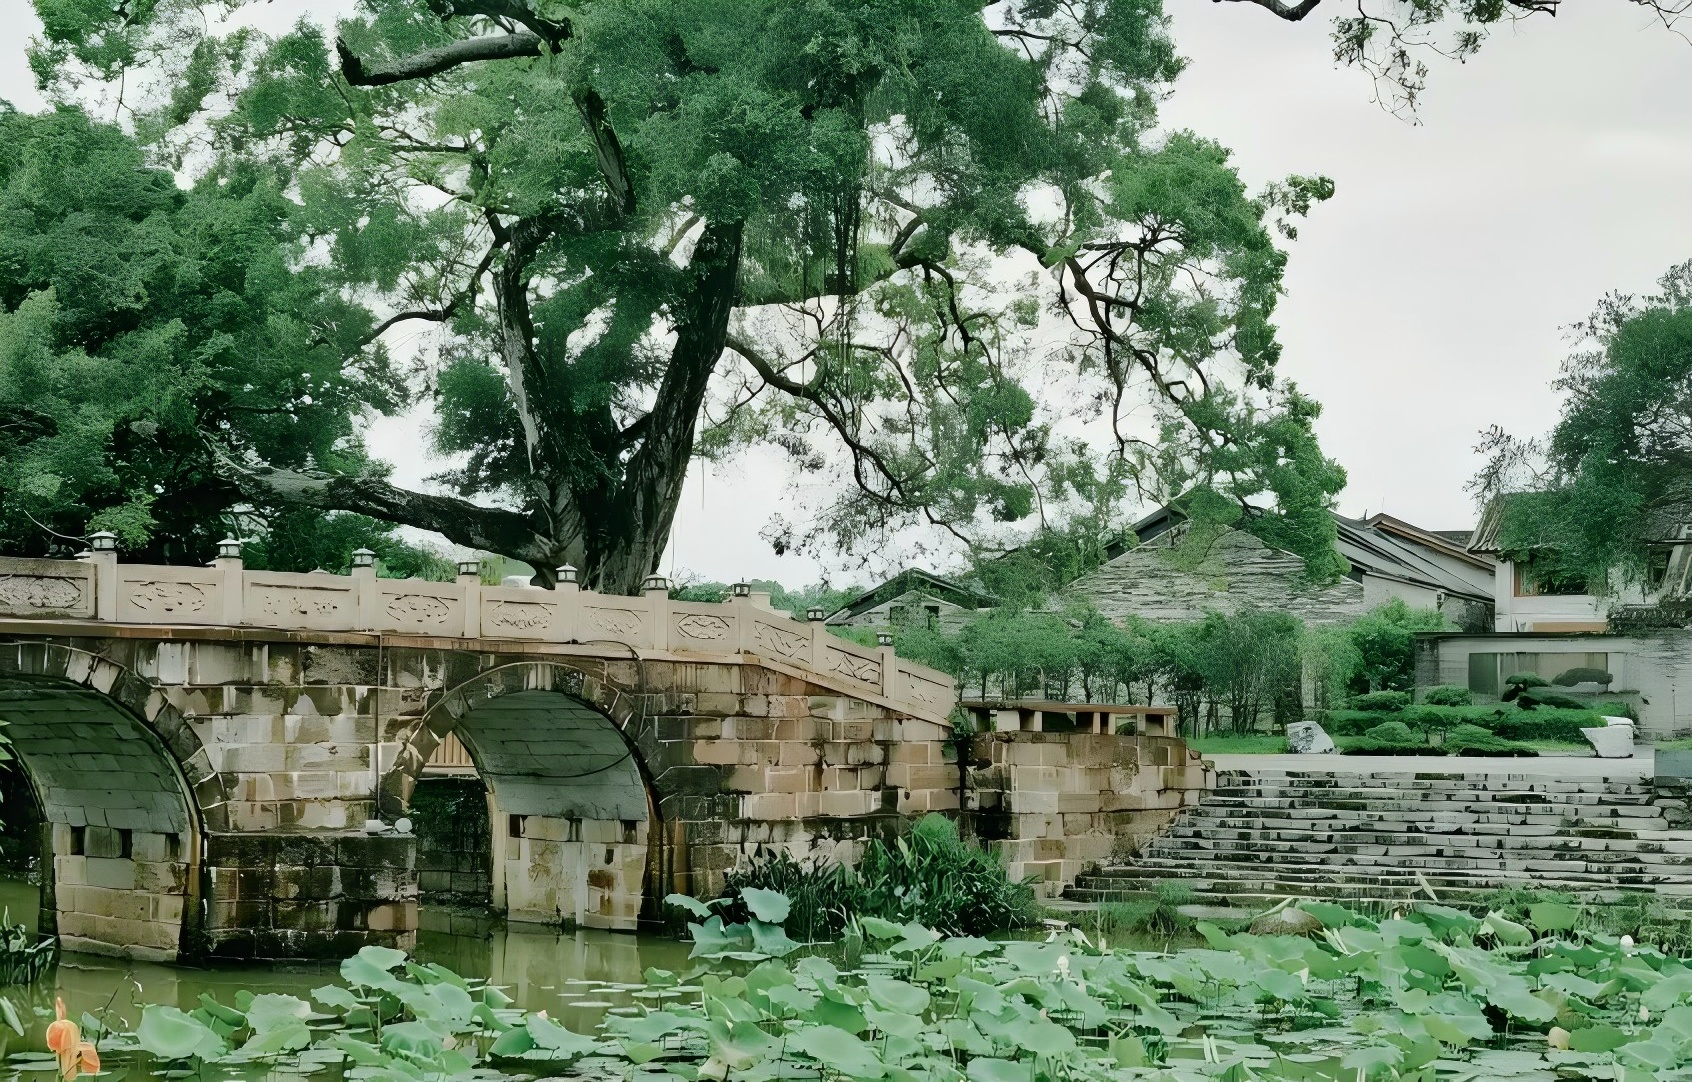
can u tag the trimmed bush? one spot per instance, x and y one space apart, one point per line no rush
1392 738
1473 740
1381 701
1568 678
1533 700
1616 710
1526 680
1546 723
1448 695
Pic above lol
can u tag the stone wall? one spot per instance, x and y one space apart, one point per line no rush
1237 571
1056 804
115 886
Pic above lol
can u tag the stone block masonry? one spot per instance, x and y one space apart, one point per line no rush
207 785
1056 804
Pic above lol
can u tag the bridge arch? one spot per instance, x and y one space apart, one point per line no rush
572 811
127 792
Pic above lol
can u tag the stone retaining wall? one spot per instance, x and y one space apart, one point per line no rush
1056 804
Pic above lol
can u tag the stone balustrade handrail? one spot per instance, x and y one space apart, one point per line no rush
98 587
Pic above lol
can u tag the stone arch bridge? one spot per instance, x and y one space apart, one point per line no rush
211 749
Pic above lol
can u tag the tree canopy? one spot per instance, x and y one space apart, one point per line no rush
1597 498
930 250
137 320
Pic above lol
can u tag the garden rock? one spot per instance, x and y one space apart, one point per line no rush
1286 922
1309 738
1614 740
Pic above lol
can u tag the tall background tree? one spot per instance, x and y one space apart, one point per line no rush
1597 498
935 250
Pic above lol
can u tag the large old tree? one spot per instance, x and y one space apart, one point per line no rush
937 251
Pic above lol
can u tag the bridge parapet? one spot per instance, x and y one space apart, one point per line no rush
97 587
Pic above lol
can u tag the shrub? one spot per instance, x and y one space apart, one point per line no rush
1533 700
1616 710
1391 738
1473 740
932 876
1546 723
1448 695
1568 678
1381 701
1526 680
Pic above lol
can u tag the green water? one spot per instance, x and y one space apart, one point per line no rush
574 976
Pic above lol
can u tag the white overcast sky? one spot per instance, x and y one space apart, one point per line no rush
1425 302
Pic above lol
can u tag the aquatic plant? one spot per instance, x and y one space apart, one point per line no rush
932 876
1431 993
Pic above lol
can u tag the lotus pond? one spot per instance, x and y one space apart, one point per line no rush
1432 993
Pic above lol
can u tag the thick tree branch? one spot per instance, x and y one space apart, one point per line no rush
1292 13
434 61
490 529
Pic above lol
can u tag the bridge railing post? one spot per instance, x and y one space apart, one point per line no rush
470 581
365 589
234 585
889 665
657 591
103 555
740 596
819 638
568 614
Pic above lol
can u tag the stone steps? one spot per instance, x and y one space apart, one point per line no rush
1391 837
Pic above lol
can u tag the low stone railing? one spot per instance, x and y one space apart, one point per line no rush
225 594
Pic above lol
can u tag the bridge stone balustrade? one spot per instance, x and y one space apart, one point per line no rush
208 746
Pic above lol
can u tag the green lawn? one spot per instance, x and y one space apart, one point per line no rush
1247 744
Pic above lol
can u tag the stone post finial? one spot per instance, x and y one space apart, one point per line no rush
815 614
229 549
470 569
655 584
103 541
363 558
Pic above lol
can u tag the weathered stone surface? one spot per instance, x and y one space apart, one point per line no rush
1309 738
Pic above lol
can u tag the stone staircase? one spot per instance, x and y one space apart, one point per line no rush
1388 838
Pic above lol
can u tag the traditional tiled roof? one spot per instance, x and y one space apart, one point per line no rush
920 581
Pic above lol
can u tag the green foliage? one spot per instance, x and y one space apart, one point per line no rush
1477 993
846 185
1448 695
1473 740
1381 701
931 876
1532 700
135 317
1595 500
1390 738
1385 643
1507 723
1157 916
1525 680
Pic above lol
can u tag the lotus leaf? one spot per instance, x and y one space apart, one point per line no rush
896 995
840 1051
169 1034
988 1069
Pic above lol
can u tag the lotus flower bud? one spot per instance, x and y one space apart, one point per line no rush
1558 1038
